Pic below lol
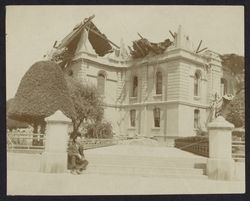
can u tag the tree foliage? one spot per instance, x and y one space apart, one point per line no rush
99 130
234 62
87 103
43 90
235 111
13 124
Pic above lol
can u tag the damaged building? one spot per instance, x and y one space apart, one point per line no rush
159 90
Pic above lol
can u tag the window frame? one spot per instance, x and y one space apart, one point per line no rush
197 84
196 118
133 118
223 86
157 117
158 83
134 88
102 84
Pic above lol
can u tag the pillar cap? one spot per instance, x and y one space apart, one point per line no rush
220 122
58 116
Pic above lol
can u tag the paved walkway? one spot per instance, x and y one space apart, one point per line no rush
36 183
28 183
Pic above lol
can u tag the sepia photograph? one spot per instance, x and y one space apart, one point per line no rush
125 100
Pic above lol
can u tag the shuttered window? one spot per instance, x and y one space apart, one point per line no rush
157 117
101 84
132 118
135 86
196 118
197 78
158 83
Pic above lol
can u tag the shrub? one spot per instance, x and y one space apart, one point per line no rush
42 91
99 130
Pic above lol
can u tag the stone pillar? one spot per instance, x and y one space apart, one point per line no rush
54 158
220 165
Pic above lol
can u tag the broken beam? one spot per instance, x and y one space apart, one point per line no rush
172 34
202 50
198 47
140 35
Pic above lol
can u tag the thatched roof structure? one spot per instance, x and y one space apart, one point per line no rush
43 90
13 124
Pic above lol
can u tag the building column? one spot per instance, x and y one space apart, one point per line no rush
54 158
145 121
220 164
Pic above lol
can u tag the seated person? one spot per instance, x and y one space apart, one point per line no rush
77 161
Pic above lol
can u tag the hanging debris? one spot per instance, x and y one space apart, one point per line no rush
99 42
65 51
142 47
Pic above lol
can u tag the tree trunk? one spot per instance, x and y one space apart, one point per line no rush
35 131
42 132
76 126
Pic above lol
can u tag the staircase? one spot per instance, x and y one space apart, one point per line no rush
141 165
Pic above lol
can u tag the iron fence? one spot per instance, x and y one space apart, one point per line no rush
28 142
200 146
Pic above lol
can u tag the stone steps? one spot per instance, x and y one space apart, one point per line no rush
147 166
144 174
152 161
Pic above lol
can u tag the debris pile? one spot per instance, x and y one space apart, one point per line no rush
143 47
64 52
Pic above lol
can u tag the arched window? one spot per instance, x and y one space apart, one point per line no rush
135 86
101 83
158 83
197 77
157 117
196 118
223 84
132 117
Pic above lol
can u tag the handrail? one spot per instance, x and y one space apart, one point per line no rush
193 144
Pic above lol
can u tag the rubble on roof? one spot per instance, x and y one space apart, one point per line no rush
119 53
65 51
86 37
143 47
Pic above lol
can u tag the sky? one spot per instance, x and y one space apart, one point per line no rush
32 30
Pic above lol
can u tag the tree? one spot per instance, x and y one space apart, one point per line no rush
235 111
234 62
99 130
43 90
87 103
13 124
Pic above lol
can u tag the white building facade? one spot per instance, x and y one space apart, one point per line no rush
163 96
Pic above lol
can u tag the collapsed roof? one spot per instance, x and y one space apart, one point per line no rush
143 47
98 40
65 51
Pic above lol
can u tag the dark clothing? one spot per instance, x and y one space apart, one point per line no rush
76 158
75 149
79 164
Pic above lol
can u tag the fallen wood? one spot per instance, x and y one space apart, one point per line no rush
198 47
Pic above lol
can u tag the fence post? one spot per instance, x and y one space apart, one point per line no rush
54 158
220 164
